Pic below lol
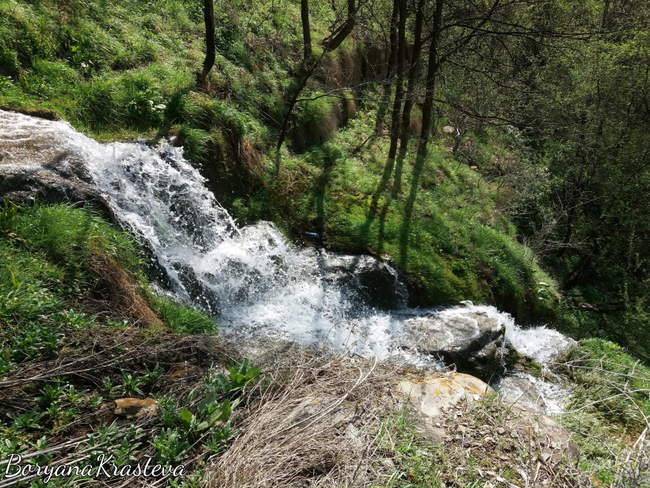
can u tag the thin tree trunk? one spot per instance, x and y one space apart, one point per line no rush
399 90
412 80
432 71
345 31
392 62
210 47
309 68
306 30
392 59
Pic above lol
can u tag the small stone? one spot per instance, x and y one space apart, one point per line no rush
135 407
501 431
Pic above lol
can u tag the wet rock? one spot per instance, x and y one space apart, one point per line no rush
469 338
135 407
34 165
373 282
535 394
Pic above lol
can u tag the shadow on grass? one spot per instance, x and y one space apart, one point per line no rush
408 207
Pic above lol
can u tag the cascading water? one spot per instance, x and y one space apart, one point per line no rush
258 284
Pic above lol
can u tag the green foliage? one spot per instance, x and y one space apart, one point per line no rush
74 235
610 399
240 376
7 218
26 421
171 446
131 383
49 394
34 341
181 318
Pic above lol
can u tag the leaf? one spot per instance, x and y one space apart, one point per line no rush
253 373
219 416
186 417
208 403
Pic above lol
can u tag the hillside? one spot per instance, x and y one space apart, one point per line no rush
487 151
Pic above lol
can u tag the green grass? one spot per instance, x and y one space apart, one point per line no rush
181 318
48 283
610 404
72 236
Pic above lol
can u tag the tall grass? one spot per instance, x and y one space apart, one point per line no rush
71 236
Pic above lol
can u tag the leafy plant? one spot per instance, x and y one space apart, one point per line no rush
72 395
8 218
171 446
131 383
33 341
220 437
109 387
26 421
49 394
153 376
6 364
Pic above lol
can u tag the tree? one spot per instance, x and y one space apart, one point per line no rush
306 29
210 46
310 65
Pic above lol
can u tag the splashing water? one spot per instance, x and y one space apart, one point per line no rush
260 286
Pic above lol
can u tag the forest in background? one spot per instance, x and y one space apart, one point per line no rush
498 151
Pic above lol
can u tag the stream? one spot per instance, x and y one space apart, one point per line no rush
260 287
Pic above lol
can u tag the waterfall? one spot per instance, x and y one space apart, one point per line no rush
257 284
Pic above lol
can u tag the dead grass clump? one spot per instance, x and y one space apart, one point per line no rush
303 431
121 298
252 162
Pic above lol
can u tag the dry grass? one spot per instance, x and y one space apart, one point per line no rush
120 294
312 426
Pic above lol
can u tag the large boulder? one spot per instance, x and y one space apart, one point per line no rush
34 165
372 281
466 336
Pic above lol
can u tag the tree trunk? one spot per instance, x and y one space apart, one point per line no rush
399 90
392 59
309 68
392 62
306 31
345 31
210 47
432 71
412 80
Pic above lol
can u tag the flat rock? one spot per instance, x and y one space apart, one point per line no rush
439 400
434 397
135 407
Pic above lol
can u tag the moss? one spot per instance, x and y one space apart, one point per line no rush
514 361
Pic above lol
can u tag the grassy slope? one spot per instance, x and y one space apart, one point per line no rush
127 69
